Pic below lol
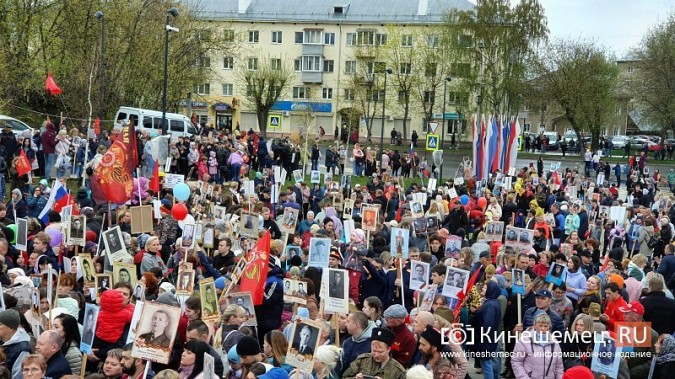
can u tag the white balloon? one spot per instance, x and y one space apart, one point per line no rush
187 220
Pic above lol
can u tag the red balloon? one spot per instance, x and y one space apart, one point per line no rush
482 203
179 211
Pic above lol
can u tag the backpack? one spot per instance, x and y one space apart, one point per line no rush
651 243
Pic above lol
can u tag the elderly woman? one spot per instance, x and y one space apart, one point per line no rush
62 149
665 357
326 358
527 361
34 366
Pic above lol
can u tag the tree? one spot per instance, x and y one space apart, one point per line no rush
63 37
498 39
581 79
267 79
653 85
433 66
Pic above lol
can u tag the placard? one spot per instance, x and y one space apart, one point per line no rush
103 283
315 177
21 234
156 332
419 275
304 342
185 282
170 180
289 220
295 291
135 318
248 225
518 281
494 230
337 300
555 274
244 300
209 237
319 251
453 246
89 327
429 296
606 357
399 244
297 176
209 300
141 219
369 217
348 209
114 245
124 272
455 281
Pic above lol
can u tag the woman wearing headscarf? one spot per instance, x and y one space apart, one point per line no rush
665 357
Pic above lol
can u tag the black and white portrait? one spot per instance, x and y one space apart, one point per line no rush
188 238
455 281
303 343
21 234
336 286
419 275
156 332
114 245
319 250
89 327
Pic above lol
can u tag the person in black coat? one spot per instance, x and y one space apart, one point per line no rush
457 218
659 309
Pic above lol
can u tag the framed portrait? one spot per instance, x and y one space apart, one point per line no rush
346 182
297 176
416 209
295 291
428 300
87 267
494 230
453 245
419 226
209 300
248 225
89 327
319 250
21 234
432 225
77 227
419 275
315 177
124 272
209 237
199 232
291 251
103 283
66 211
518 280
369 217
141 219
185 282
303 343
399 243
135 318
338 201
188 238
114 244
219 212
347 209
555 273
156 332
608 357
35 300
338 291
244 300
455 281
139 291
289 220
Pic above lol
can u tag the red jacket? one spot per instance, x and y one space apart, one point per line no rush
540 270
612 310
113 316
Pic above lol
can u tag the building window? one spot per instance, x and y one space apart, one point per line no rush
275 64
299 36
311 63
380 39
297 64
377 95
526 107
630 69
300 92
375 67
228 35
351 39
313 37
228 89
203 61
327 94
432 40
349 94
350 67
365 37
276 36
253 36
329 38
252 64
429 97
460 70
228 63
328 65
407 40
203 89
405 68
526 128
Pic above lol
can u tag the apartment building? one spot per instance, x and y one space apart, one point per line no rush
320 40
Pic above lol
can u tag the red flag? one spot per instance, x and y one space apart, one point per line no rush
97 126
154 182
23 165
51 87
462 296
113 178
257 265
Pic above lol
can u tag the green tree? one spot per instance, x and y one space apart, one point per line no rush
581 79
64 37
496 39
653 83
433 65
266 79
402 53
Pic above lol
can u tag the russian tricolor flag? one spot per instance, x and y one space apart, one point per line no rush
58 198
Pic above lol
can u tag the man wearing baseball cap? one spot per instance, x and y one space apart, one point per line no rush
377 363
640 362
543 300
15 341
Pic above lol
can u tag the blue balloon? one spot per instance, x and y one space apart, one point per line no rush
181 191
464 199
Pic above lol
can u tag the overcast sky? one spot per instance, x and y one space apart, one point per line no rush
616 24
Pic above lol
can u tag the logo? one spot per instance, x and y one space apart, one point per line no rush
633 334
432 142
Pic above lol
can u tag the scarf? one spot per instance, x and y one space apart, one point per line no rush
186 371
667 352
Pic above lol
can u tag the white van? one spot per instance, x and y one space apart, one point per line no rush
150 122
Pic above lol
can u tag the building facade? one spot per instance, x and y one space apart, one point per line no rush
321 41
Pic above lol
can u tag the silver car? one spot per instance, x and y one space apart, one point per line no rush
619 142
17 126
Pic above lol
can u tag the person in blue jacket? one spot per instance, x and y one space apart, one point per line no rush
487 319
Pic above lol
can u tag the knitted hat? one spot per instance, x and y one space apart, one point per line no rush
10 318
70 304
616 278
432 336
295 270
220 283
247 346
578 372
16 271
232 356
91 236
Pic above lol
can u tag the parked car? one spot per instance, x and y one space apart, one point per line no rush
619 142
18 127
638 142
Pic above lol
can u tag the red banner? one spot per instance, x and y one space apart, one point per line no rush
23 165
97 126
51 87
154 182
113 178
257 265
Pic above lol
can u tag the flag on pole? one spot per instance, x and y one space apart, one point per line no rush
485 150
462 295
154 182
113 178
23 165
474 135
513 143
506 132
494 146
58 198
254 277
51 87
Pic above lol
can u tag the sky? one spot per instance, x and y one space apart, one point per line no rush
616 24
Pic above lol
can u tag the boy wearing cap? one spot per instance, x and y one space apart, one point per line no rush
377 363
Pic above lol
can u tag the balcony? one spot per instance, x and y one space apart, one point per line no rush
312 77
308 49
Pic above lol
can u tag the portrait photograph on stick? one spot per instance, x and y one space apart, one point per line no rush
244 300
156 332
114 244
338 289
77 227
303 343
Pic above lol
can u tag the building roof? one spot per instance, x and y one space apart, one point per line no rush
354 11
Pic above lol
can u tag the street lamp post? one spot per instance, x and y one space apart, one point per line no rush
384 103
101 17
173 12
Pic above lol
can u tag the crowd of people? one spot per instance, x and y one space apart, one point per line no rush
616 251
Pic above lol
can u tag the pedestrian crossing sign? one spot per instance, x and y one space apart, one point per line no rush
432 142
274 121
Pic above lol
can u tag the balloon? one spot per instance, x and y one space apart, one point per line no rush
464 199
181 192
187 220
482 203
179 211
12 227
56 237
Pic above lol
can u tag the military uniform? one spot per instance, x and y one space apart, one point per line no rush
365 364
